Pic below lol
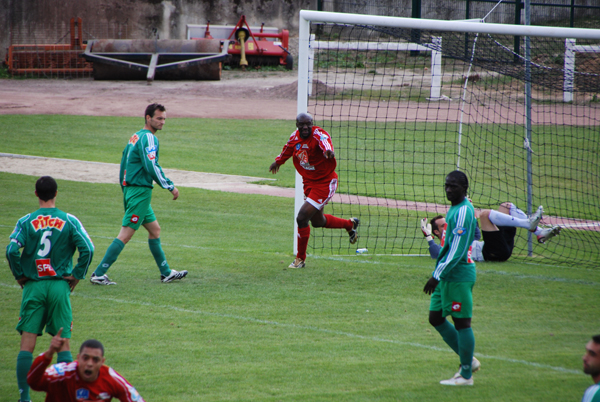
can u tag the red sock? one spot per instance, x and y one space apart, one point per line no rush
303 236
334 222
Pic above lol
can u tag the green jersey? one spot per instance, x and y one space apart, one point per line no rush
139 164
592 394
49 238
454 264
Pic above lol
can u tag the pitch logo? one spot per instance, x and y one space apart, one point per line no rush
134 138
456 307
44 267
47 222
134 219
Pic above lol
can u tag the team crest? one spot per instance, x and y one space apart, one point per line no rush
135 219
459 231
456 307
82 394
297 147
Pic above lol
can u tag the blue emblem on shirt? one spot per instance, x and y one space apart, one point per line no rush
459 231
150 149
82 393
297 147
58 368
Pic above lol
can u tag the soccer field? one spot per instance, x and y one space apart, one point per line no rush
242 327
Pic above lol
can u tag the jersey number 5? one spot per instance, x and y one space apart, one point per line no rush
45 244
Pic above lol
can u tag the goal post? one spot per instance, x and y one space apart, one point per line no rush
400 120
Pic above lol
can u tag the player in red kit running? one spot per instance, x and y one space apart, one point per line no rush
86 379
314 159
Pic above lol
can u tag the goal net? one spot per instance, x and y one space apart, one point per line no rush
407 101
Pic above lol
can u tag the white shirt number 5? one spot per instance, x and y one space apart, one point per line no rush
45 244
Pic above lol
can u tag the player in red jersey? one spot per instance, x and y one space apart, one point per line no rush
314 159
86 379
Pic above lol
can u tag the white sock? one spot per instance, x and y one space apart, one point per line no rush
516 212
500 219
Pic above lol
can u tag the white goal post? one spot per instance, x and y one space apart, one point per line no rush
307 47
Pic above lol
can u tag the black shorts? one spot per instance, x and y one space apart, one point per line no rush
498 245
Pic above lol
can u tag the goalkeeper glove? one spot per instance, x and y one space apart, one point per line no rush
426 229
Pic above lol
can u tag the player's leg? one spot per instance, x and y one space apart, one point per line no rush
457 301
136 201
24 361
444 328
31 324
502 219
305 215
60 315
320 196
542 234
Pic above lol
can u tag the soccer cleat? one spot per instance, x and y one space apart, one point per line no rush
173 276
353 232
298 263
457 380
535 218
548 233
101 280
475 365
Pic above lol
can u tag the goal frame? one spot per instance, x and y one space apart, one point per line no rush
470 26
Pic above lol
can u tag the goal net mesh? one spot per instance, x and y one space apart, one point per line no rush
400 123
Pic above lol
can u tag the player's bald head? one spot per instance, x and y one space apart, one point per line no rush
304 117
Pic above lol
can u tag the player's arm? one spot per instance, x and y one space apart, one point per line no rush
13 253
125 391
85 247
286 153
37 378
149 150
325 144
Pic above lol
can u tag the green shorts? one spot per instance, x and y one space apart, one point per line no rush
453 298
46 304
138 210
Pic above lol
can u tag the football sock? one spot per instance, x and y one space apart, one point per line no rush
159 256
112 253
303 236
24 361
466 346
64 357
333 222
449 335
500 219
516 212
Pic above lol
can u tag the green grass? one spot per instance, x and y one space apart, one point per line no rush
243 328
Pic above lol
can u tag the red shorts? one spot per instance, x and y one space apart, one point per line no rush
318 193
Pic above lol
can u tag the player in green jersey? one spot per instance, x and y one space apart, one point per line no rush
139 169
45 272
591 366
451 284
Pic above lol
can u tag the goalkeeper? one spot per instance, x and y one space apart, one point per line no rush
498 228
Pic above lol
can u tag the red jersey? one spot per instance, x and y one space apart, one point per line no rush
62 383
309 158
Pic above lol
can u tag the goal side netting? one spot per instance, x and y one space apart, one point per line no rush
407 101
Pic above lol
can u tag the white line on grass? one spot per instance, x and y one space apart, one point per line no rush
316 329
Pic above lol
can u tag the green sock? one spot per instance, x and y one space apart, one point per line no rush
466 345
449 335
24 361
112 253
159 256
64 357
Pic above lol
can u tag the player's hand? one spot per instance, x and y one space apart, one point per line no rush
22 281
56 344
426 229
72 281
329 154
175 193
274 168
430 285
